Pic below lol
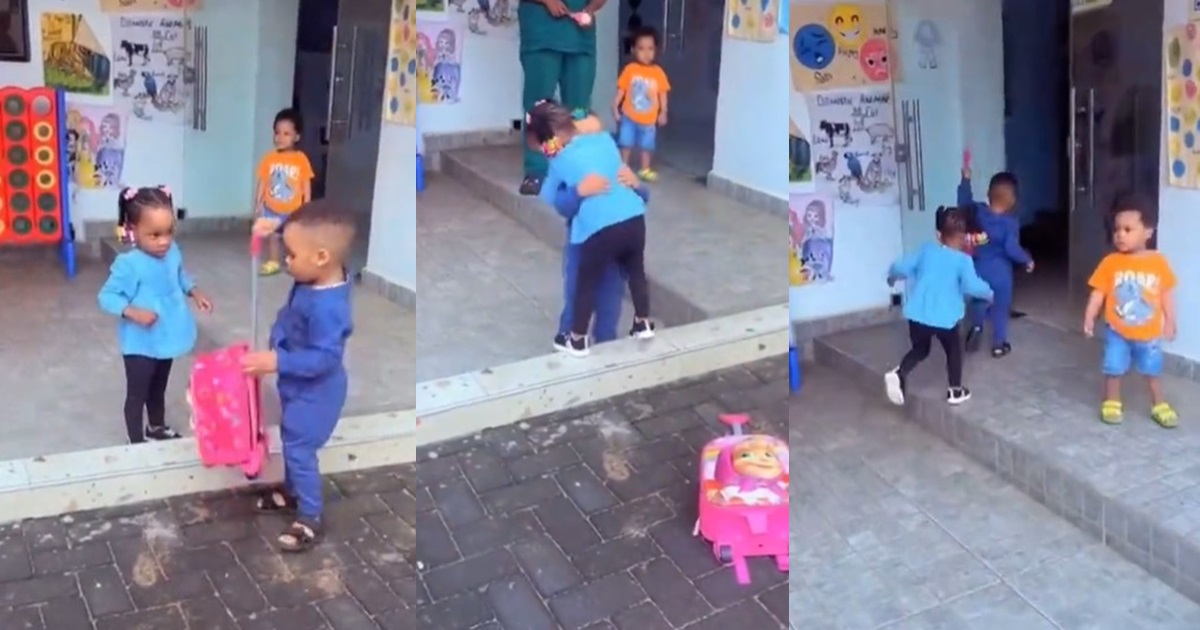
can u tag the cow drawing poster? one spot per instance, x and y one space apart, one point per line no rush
153 73
853 142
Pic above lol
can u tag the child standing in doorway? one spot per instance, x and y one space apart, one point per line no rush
149 290
1136 288
640 106
284 181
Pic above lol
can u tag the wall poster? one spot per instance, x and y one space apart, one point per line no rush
95 146
810 222
149 6
487 17
154 74
400 92
854 146
432 9
753 20
800 174
840 45
72 57
439 62
1182 106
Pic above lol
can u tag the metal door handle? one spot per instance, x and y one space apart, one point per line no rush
333 80
1073 151
905 152
1091 150
682 25
920 144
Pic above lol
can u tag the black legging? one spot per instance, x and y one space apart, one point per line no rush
922 337
145 388
625 244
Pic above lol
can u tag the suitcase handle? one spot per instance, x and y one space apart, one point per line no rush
255 255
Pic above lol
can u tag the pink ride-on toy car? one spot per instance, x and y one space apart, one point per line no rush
744 497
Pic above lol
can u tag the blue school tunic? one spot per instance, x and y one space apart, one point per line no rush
160 285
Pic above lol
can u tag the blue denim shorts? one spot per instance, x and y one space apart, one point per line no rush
268 213
1120 354
631 135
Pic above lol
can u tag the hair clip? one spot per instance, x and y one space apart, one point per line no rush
552 147
165 190
129 193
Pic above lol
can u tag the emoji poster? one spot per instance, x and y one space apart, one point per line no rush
840 45
810 251
400 91
853 146
753 20
1181 56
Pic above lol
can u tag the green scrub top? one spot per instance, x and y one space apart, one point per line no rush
541 31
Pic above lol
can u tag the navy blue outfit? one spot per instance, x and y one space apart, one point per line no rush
994 262
309 338
612 286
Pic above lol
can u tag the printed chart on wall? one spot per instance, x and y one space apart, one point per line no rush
95 146
753 20
72 57
400 92
810 222
800 175
491 18
439 62
840 45
148 6
1183 108
854 146
153 75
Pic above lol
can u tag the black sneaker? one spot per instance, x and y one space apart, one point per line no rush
530 186
974 338
894 383
162 433
642 329
1001 350
958 395
560 342
578 346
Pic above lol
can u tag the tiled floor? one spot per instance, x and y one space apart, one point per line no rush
894 529
585 520
207 563
62 379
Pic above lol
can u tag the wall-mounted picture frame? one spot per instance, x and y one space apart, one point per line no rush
14 30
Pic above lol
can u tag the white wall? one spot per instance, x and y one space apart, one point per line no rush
752 115
218 163
391 254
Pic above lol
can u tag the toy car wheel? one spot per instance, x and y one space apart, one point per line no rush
725 554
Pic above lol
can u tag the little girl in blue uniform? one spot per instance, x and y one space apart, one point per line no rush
149 290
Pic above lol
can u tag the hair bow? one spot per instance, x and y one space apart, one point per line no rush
129 193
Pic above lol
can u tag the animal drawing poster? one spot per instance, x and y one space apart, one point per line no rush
810 223
400 91
799 145
153 72
753 20
1183 107
493 18
95 146
840 45
72 57
439 62
432 9
854 146
149 6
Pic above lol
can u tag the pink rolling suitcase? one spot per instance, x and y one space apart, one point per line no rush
226 404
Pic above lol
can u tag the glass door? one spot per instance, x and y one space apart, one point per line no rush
357 77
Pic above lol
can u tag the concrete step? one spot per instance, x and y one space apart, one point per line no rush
707 255
1034 421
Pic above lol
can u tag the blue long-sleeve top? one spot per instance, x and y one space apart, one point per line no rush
589 154
309 338
939 280
567 200
160 285
1003 231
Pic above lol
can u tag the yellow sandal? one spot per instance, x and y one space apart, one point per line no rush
1111 412
269 268
1164 415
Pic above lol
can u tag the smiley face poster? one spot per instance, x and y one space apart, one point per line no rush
840 45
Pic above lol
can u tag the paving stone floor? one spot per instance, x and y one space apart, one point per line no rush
892 528
206 562
584 520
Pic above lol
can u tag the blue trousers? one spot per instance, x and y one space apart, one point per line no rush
1000 277
307 424
608 298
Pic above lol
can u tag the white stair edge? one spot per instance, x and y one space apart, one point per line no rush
466 404
50 485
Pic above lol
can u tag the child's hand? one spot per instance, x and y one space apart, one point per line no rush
616 114
1169 330
265 227
1089 328
259 363
556 7
582 18
627 177
141 316
891 280
1030 267
202 301
662 118
592 185
966 172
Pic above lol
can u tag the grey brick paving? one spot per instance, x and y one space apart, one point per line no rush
893 528
584 519
206 562
1033 420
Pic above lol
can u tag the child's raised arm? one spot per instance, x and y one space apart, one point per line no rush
965 196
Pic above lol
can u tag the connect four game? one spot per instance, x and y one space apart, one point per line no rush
33 193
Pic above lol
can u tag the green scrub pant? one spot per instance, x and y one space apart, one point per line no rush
572 74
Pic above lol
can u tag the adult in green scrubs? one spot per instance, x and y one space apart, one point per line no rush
556 53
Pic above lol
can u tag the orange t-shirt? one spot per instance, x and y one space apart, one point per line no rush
1134 286
283 175
643 87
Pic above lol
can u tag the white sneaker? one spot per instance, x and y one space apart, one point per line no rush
895 387
958 395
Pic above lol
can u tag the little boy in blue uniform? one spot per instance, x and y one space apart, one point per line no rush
308 344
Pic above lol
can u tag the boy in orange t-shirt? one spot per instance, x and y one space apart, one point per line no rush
284 182
641 103
1135 287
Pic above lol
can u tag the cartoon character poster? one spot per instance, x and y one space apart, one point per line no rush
439 62
854 146
1181 57
72 57
400 91
840 45
810 255
753 20
154 75
95 146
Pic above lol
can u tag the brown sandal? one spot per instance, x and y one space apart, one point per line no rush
299 537
275 501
